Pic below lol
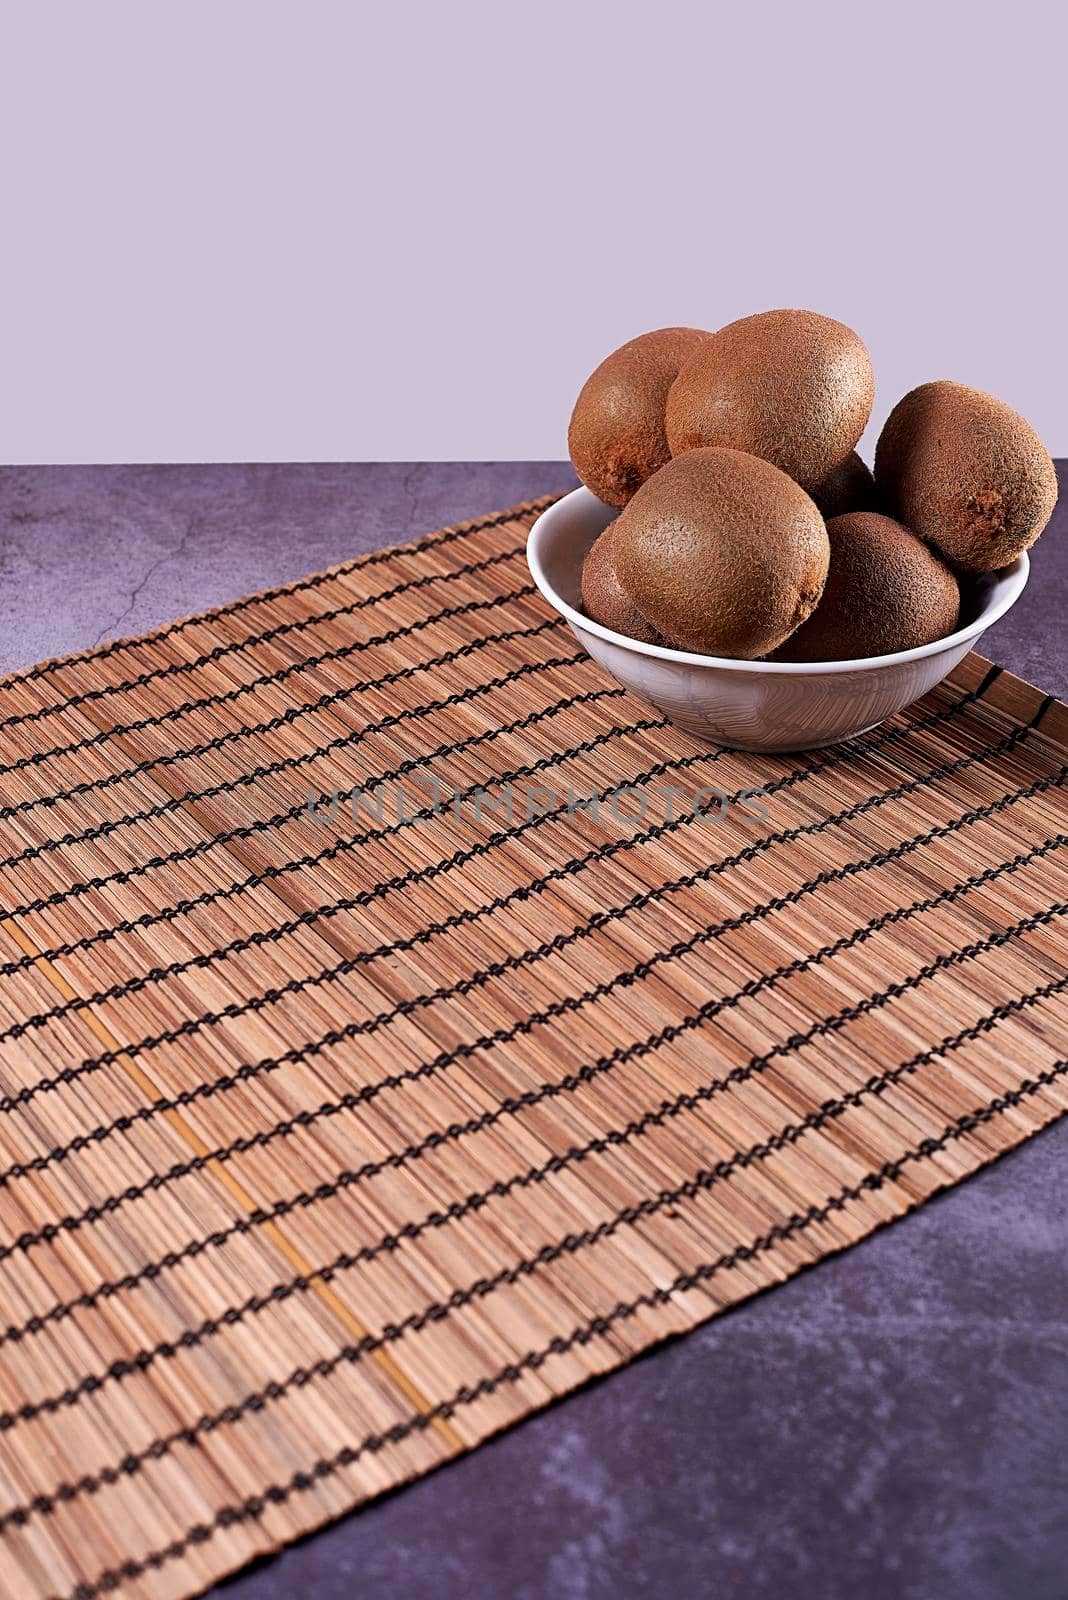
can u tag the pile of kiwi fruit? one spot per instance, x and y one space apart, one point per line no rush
748 524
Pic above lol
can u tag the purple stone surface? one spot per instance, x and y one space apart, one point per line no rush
892 1424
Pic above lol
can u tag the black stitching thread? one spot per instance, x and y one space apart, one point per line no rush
254 1505
412 764
559 942
861 748
228 696
365 896
510 1104
554 946
347 740
348 1178
183 907
248 830
373 558
829 1109
210 746
280 629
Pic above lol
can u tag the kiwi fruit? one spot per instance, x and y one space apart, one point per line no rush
616 436
886 590
604 597
966 473
721 553
790 386
849 487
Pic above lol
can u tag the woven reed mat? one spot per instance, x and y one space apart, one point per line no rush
330 1146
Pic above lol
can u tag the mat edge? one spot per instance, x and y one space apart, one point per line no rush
522 508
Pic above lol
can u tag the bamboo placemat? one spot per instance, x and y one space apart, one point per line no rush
330 1146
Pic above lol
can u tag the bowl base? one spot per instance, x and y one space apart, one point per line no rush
770 747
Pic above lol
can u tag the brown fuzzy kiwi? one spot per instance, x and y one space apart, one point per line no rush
722 553
850 487
967 473
604 597
790 386
886 591
616 437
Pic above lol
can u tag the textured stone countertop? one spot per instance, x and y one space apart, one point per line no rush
892 1425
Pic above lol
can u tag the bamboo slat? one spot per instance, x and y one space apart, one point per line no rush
334 1140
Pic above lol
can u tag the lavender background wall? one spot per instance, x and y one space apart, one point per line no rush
315 231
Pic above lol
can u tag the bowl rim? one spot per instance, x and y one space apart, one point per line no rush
1008 591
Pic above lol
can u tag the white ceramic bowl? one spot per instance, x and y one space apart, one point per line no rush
754 705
